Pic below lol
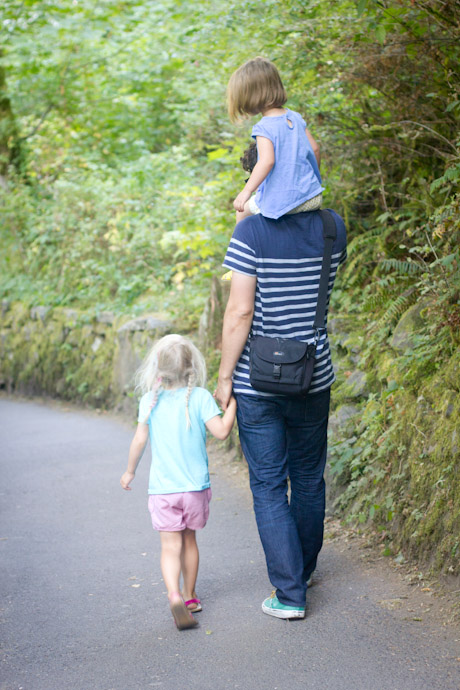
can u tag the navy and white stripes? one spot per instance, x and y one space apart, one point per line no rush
285 255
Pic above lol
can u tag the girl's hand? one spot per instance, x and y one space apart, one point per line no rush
241 200
126 480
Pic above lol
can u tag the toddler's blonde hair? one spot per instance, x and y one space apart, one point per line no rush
254 87
173 362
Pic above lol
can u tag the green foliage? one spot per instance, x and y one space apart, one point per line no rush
399 470
131 164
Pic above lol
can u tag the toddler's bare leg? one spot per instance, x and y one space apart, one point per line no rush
171 549
190 560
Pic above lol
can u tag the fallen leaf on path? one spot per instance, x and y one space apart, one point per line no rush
391 604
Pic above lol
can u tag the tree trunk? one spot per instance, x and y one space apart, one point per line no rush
9 140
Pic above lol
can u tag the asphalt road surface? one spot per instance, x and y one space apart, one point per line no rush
84 607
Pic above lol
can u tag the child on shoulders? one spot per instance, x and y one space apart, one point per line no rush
286 177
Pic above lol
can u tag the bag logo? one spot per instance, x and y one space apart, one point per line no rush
278 354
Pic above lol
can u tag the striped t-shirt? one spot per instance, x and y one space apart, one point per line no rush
285 255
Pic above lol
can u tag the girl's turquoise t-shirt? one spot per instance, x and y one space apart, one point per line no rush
179 458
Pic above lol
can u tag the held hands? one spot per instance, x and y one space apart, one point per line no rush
232 404
240 200
223 392
126 480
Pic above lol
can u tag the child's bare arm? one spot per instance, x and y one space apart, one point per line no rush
315 147
220 427
135 453
261 169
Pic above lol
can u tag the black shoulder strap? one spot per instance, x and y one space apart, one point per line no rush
330 233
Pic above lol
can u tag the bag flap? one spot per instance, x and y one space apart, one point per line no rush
278 350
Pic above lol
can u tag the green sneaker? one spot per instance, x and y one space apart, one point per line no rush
273 607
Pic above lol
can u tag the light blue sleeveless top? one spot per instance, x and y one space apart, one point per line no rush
295 177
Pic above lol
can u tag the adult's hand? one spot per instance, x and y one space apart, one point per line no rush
223 392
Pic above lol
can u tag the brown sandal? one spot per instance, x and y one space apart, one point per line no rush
182 616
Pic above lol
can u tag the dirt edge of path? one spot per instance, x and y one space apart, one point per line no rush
418 596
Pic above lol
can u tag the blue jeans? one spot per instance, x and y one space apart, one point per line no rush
286 437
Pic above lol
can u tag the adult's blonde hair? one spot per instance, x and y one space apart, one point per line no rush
173 362
254 87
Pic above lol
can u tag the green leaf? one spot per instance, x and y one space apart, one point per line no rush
452 106
217 154
362 4
380 33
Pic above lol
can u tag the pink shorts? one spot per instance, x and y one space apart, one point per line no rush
175 512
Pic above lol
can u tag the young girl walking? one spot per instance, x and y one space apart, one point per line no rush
175 412
286 176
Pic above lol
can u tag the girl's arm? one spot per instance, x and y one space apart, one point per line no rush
220 427
315 147
261 169
135 453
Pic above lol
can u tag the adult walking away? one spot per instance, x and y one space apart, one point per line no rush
276 268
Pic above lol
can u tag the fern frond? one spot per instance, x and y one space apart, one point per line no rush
398 306
375 301
404 268
363 240
357 270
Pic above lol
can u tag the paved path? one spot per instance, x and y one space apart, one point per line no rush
84 606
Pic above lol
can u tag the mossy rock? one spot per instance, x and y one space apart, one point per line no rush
410 323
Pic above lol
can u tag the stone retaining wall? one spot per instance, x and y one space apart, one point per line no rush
74 355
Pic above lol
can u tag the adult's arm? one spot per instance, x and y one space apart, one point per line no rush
237 324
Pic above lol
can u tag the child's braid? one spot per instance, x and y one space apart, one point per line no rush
190 385
156 390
